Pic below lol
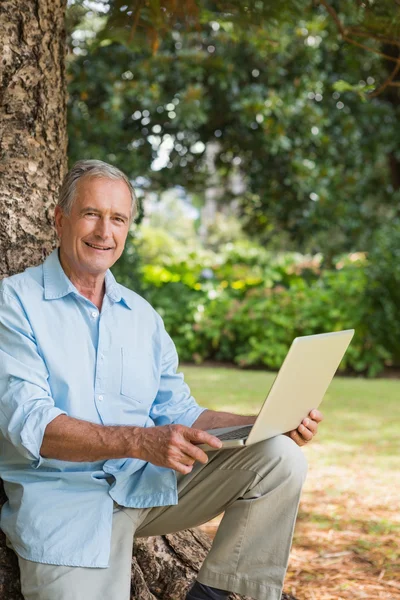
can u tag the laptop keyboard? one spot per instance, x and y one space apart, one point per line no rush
237 434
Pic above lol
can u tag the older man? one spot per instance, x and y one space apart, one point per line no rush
99 433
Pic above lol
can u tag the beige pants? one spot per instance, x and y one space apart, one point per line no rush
258 488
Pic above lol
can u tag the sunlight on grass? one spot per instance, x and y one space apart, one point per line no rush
359 414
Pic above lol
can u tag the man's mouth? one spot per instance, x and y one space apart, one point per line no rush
98 247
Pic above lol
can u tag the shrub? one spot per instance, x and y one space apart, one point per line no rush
245 305
383 289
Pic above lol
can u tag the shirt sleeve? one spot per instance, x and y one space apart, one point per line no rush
174 403
26 405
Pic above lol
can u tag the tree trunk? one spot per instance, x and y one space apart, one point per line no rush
33 144
33 138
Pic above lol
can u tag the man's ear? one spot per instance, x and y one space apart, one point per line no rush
58 220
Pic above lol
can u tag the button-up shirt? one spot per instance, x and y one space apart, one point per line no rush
60 355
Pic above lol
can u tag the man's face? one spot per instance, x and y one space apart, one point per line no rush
92 236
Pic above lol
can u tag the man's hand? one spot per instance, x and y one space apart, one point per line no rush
307 428
173 446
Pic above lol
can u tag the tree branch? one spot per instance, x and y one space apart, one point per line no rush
388 81
344 33
135 22
369 49
334 16
374 36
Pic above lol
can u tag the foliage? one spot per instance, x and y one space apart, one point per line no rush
245 305
363 24
270 106
313 161
383 288
258 329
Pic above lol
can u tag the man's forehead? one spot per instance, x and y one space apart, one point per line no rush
103 194
101 184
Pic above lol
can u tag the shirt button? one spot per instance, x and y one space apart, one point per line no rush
101 397
94 314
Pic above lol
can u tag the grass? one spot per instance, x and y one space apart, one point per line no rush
346 542
359 414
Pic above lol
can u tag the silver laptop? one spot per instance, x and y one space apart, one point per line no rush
299 387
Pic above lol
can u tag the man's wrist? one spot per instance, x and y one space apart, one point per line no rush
132 441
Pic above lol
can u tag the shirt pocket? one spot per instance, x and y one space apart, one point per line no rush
139 379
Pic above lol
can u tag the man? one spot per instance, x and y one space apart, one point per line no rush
99 433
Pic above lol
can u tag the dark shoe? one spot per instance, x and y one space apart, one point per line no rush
203 592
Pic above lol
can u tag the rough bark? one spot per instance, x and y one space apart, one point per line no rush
33 138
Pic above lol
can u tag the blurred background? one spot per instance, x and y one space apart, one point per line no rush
265 149
263 140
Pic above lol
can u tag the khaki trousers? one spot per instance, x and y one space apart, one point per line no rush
258 488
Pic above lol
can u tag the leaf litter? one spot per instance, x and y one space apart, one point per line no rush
347 538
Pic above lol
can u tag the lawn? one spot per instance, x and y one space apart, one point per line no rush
347 538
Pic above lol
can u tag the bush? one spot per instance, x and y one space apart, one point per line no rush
257 331
383 289
245 305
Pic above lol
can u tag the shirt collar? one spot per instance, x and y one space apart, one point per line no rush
57 285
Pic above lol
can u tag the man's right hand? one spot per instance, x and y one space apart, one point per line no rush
173 446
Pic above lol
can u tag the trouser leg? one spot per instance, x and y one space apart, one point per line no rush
259 489
52 582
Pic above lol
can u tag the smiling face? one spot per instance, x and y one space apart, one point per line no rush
92 236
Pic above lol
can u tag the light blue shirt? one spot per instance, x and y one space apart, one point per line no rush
59 355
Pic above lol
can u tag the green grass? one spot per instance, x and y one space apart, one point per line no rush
361 416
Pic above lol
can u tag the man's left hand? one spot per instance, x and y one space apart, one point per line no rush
307 429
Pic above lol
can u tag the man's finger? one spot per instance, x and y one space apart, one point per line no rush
193 452
305 433
311 425
316 415
181 468
186 460
296 437
198 436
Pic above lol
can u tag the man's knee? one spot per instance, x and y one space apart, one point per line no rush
292 458
282 458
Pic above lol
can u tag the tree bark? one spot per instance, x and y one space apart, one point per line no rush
33 138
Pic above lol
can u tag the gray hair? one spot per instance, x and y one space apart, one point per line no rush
91 168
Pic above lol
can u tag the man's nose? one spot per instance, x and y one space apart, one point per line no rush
103 228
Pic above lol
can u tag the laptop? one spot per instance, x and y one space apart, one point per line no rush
299 386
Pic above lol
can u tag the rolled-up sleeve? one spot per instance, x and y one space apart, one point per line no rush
174 403
26 405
